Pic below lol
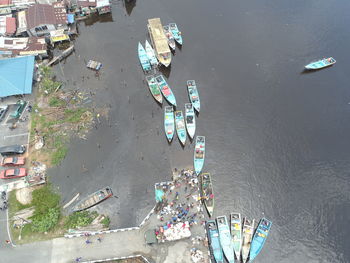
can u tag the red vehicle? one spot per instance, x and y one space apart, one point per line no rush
13 161
13 173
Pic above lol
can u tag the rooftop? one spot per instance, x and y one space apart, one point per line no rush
41 14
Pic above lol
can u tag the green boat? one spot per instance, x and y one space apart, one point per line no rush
153 87
207 193
236 233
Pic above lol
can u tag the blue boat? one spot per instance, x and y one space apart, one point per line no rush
225 238
146 66
214 241
176 33
180 126
193 94
165 89
150 54
199 154
322 63
259 238
169 122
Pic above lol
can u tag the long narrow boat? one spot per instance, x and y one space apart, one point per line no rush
180 126
225 238
165 89
176 33
248 230
150 54
146 66
199 154
169 122
207 193
214 241
154 89
170 37
259 238
190 120
322 63
93 199
193 94
236 233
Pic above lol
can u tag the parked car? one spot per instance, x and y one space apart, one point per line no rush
13 173
12 149
20 105
3 111
13 161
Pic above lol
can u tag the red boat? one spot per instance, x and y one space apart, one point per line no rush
13 173
13 161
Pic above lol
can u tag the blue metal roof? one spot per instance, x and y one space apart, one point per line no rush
70 18
16 76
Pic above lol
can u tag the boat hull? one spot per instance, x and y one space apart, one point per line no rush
154 89
236 233
322 63
146 66
225 238
169 123
93 199
199 154
150 54
259 238
165 89
214 241
193 95
207 193
180 127
248 230
190 120
176 33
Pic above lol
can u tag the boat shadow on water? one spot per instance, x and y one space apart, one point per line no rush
309 71
165 70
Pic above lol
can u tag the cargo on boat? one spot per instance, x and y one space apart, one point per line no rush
180 127
248 230
95 65
93 199
159 41
236 233
207 193
190 120
153 87
199 154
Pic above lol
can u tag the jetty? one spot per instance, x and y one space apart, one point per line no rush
63 55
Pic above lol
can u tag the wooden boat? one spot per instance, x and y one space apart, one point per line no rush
322 63
169 122
93 199
248 230
207 193
170 37
225 238
95 65
193 94
176 33
180 126
150 54
214 241
165 89
159 41
190 120
236 233
199 154
259 238
146 66
153 87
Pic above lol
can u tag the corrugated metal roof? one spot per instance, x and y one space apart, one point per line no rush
10 25
42 14
16 76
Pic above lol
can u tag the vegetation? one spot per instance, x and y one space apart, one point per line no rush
80 219
106 221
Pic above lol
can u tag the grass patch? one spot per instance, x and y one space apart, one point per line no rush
14 205
56 102
106 221
80 219
60 152
74 115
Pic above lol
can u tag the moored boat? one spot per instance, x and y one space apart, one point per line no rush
176 33
236 233
207 194
259 238
193 94
170 37
154 89
199 154
225 238
169 122
150 54
214 241
322 63
180 126
146 66
248 230
165 89
190 120
93 199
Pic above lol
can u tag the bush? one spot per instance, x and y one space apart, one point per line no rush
45 198
106 221
80 219
46 221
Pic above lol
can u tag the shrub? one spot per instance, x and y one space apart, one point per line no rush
80 219
45 221
106 221
45 198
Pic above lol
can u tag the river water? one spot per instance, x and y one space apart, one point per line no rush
277 138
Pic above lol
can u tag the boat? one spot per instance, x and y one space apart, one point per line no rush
176 33
207 193
214 241
225 238
170 37
165 89
180 126
159 41
190 120
153 87
95 65
146 66
169 122
150 54
93 199
199 154
322 63
236 233
193 94
259 238
248 230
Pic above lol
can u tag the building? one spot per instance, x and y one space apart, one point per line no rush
7 26
22 46
42 18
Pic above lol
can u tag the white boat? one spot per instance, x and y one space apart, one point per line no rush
190 120
150 54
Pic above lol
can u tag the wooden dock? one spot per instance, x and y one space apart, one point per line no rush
63 55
